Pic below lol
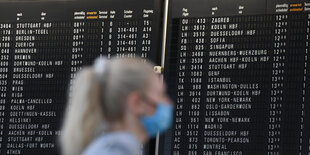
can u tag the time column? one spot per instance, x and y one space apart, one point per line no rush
77 44
277 84
5 49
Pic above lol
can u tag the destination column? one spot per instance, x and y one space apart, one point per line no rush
39 80
237 68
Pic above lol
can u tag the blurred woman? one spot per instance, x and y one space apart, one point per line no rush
114 107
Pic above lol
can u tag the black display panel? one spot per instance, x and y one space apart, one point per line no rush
44 43
238 72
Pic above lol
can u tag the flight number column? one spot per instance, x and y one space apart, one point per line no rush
196 53
5 49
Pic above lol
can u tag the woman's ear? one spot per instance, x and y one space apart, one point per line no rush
138 106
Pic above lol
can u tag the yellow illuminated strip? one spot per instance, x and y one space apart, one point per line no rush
92 17
296 9
296 5
91 13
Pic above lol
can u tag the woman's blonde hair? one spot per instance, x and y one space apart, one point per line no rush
97 100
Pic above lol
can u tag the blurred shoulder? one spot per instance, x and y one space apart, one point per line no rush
116 143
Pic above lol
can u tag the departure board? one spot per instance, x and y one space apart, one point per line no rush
238 72
44 43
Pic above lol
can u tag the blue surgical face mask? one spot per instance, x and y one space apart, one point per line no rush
160 121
